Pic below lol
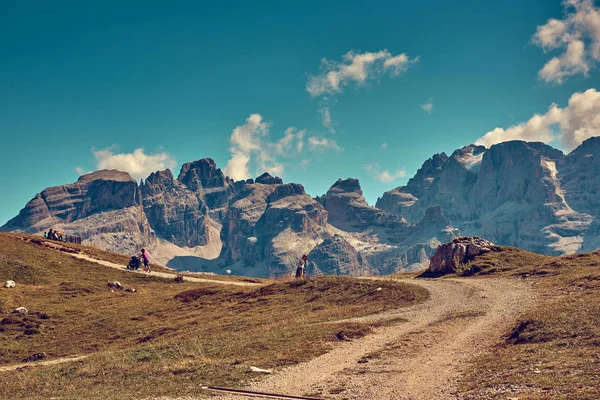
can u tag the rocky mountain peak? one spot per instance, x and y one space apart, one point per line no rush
469 157
157 182
350 185
516 152
589 146
105 175
289 189
202 174
268 179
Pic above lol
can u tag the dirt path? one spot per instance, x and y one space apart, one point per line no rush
167 275
41 363
418 359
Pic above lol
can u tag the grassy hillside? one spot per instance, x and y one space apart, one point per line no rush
553 352
166 338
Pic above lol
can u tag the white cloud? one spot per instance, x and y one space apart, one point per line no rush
292 140
138 164
79 170
383 146
427 107
325 112
305 163
316 143
358 68
253 152
246 140
577 34
384 175
570 125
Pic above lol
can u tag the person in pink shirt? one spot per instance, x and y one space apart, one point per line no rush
146 261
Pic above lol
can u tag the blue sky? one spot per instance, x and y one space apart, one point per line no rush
85 84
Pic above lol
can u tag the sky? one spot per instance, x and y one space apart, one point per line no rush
312 91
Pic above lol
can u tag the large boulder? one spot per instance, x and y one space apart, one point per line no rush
458 252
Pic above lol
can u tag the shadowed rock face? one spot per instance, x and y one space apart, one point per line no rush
348 209
579 173
336 256
202 174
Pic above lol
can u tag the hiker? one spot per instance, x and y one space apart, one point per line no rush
146 261
45 235
301 270
50 233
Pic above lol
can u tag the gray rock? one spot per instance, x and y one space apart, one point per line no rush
458 252
9 284
335 256
267 179
20 310
115 285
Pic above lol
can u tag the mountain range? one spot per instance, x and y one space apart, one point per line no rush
523 194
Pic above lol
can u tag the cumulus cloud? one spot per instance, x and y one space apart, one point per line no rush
384 175
570 125
354 68
138 164
577 35
427 107
324 110
319 144
358 68
254 152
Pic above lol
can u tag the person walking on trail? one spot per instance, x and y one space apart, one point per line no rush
146 261
301 270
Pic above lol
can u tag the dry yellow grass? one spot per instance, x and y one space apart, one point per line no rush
167 338
553 352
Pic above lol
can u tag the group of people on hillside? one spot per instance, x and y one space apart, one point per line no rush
55 235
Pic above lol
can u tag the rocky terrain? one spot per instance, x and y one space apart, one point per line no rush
527 195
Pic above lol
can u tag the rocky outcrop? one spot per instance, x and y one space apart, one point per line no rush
92 193
458 252
400 199
183 210
348 210
267 179
269 227
513 193
103 208
336 256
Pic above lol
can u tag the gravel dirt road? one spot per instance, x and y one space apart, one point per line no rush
421 358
